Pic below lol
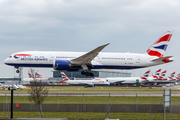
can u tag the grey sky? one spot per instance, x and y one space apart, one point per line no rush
82 25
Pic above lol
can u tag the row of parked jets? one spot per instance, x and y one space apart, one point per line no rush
12 87
158 76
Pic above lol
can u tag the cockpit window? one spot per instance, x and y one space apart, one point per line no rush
10 56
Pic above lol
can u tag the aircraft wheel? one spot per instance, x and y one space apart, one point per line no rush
17 71
91 74
83 73
87 73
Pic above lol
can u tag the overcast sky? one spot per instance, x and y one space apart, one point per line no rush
82 25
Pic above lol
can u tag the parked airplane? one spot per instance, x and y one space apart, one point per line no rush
73 61
172 77
114 80
127 80
178 77
3 86
10 87
86 83
37 77
155 76
162 76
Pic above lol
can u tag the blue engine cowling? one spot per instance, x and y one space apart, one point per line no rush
61 65
91 85
111 84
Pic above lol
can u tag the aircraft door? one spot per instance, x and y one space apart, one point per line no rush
51 58
138 60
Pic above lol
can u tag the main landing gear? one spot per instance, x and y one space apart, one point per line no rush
87 73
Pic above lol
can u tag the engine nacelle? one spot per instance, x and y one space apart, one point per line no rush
90 85
112 84
61 65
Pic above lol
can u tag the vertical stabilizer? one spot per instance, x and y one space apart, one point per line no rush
172 76
156 74
162 76
146 75
65 78
159 47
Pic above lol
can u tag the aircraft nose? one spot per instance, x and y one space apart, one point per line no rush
6 61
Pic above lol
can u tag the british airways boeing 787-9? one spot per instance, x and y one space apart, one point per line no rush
73 61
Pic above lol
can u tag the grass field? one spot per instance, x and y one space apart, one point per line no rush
99 89
94 100
91 116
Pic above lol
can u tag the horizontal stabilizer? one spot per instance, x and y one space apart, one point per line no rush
160 59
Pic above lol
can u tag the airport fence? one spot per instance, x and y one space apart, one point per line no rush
89 106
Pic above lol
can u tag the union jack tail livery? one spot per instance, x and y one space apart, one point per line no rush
156 75
146 75
171 77
38 75
65 78
178 76
159 47
162 76
30 75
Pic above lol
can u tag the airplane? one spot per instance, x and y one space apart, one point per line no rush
155 76
172 77
162 76
115 80
95 59
37 77
127 80
3 86
178 77
86 83
12 87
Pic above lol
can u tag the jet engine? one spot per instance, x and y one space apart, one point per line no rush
89 85
61 65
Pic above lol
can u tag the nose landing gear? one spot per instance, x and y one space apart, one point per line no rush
17 71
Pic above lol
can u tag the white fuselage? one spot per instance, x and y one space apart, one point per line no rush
87 82
124 80
101 61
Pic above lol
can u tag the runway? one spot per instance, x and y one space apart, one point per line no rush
94 94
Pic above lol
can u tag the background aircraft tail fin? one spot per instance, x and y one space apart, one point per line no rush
146 75
156 74
38 75
65 78
162 76
30 75
159 47
172 75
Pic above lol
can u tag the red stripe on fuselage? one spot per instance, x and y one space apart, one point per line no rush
22 55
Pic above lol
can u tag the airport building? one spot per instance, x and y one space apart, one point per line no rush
101 74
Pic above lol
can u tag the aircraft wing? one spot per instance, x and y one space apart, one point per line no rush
2 87
160 59
88 57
